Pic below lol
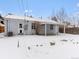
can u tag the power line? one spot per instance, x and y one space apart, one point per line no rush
22 3
23 6
19 5
27 5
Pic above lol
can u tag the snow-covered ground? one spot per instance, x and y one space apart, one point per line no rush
38 47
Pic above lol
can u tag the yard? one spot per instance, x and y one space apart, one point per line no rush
63 46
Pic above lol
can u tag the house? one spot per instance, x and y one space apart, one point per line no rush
2 28
1 20
21 25
1 24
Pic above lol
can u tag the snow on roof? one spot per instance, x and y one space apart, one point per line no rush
48 21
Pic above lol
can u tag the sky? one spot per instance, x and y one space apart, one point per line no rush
38 8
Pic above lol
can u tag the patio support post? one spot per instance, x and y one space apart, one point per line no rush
45 29
64 28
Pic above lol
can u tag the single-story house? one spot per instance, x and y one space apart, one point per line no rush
21 25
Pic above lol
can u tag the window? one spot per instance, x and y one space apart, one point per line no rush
33 26
20 31
20 25
51 27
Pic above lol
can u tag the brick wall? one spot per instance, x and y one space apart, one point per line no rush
1 29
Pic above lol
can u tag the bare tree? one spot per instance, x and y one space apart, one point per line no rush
54 18
73 18
78 23
62 15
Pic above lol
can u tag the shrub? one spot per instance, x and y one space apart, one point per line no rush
52 43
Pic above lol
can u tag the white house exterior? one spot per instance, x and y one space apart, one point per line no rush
28 25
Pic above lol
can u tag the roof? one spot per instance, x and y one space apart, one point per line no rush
48 21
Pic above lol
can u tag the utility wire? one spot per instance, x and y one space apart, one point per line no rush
23 5
27 6
19 6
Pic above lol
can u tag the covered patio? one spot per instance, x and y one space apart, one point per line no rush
43 26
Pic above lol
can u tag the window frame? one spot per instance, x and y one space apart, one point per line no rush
33 26
20 26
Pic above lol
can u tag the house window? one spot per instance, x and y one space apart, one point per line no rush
20 25
33 26
20 31
51 27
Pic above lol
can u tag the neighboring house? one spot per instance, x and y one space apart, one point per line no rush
19 25
1 24
1 28
1 19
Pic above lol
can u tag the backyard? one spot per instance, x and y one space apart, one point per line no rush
62 46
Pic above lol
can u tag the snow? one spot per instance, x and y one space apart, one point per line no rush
1 35
48 21
38 47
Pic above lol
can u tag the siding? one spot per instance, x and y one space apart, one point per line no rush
12 25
